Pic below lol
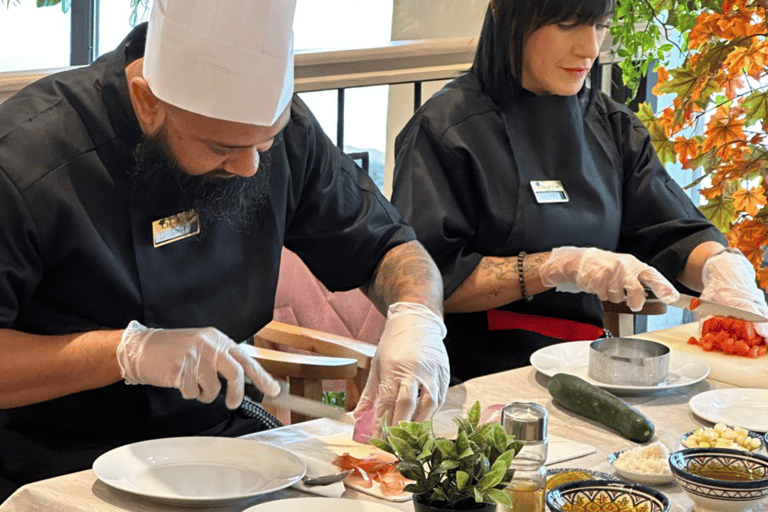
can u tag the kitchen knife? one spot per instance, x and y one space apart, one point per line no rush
707 307
299 404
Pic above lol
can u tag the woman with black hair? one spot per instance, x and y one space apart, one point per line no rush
538 197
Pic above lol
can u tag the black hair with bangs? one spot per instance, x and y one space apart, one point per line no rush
508 23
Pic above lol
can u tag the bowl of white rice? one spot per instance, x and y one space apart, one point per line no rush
647 464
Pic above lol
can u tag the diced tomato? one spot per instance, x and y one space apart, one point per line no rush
721 336
739 328
730 336
728 346
740 348
694 303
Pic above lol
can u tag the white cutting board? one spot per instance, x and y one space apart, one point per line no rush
739 371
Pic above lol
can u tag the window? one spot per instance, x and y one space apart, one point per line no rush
33 38
347 24
51 37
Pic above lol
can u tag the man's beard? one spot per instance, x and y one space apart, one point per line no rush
161 182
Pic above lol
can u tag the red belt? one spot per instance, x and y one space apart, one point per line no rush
567 330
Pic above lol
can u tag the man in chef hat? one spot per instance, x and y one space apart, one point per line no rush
144 203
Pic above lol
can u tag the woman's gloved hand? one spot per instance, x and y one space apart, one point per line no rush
191 361
409 374
609 275
729 278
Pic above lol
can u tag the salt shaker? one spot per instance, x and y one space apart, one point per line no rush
527 421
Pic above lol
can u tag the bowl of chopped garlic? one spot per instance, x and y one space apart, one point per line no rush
647 464
723 436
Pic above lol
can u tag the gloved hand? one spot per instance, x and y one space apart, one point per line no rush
729 278
611 276
409 374
191 361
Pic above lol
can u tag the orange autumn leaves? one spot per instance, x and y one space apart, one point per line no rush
719 121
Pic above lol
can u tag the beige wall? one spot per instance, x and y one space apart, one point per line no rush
419 19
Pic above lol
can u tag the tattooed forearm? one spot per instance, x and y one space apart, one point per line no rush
406 274
496 282
503 269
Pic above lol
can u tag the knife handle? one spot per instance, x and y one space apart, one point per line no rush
650 296
253 392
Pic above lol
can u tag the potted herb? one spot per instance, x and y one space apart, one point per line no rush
468 472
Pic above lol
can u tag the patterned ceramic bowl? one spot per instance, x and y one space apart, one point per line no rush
560 476
605 496
720 490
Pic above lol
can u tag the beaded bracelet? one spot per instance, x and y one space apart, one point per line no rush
521 276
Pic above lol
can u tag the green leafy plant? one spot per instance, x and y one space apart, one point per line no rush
457 473
652 31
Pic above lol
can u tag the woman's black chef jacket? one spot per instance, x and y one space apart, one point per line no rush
463 169
76 253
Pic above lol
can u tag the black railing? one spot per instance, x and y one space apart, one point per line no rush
83 32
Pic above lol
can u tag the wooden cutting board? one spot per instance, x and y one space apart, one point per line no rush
736 370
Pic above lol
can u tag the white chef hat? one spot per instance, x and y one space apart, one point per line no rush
226 59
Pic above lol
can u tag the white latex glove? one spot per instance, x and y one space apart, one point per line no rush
409 374
191 361
611 276
729 278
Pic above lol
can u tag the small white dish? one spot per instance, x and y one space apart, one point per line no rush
742 407
641 478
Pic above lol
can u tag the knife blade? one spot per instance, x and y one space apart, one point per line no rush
707 307
299 404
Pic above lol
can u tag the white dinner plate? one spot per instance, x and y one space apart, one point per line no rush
199 471
573 358
739 407
320 505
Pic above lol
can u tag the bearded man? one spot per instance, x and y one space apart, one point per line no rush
144 203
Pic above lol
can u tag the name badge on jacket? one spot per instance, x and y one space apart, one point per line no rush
551 191
174 228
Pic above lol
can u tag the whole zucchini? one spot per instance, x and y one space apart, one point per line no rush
579 396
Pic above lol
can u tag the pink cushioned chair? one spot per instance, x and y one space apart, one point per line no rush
319 340
302 300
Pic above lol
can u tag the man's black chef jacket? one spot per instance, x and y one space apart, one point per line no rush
76 253
463 173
